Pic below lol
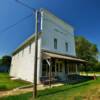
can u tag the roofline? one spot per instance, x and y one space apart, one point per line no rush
25 44
64 22
43 50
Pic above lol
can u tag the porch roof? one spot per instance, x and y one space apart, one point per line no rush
49 54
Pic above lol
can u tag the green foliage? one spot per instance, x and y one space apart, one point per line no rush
5 61
97 67
86 50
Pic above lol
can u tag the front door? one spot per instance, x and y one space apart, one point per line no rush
59 69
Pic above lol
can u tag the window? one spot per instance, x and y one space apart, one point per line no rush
57 67
30 46
66 46
55 43
45 68
60 68
72 68
53 68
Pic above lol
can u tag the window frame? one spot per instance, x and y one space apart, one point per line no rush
55 43
66 46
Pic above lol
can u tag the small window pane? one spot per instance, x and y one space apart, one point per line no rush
55 43
66 46
60 68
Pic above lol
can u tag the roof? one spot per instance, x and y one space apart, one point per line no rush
25 43
32 38
50 54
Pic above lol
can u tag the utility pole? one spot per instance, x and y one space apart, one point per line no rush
36 46
36 57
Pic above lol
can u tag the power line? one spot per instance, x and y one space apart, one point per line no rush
25 5
7 28
36 47
11 26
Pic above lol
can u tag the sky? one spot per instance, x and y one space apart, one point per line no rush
83 15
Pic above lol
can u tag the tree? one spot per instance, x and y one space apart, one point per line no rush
5 60
97 67
87 51
5 63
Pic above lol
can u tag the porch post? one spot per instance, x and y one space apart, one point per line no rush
50 64
67 71
50 73
55 70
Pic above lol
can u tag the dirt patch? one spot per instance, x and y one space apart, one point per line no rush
14 92
18 91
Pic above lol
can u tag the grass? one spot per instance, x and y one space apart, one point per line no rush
6 83
89 72
65 92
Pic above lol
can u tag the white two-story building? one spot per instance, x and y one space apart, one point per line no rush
56 49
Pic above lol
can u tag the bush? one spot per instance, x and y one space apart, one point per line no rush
97 67
3 87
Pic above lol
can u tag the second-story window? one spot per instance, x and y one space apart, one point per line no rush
55 43
66 46
30 47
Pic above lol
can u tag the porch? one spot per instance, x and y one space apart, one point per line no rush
60 68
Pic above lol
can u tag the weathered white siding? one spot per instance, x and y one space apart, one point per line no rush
23 65
52 27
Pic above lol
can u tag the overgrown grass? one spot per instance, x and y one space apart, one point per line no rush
6 83
65 92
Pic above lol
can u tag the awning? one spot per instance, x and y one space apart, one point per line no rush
48 54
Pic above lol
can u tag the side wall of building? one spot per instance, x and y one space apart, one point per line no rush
22 66
23 62
52 28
